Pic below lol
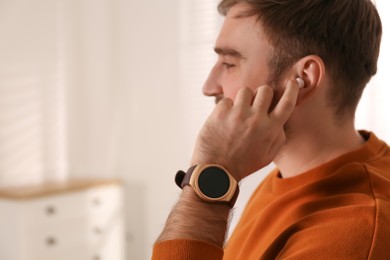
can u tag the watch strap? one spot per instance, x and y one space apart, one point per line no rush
182 178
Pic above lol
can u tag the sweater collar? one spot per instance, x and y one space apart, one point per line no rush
373 147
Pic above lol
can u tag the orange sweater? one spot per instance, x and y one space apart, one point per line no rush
339 210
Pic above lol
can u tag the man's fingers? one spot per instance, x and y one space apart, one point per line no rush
263 98
286 104
224 105
244 97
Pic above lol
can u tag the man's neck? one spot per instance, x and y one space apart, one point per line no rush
308 149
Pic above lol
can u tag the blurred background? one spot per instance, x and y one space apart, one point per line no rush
111 89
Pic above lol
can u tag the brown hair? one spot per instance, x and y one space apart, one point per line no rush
346 34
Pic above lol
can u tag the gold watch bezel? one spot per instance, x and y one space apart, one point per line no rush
225 198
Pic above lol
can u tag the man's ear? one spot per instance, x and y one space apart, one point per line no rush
311 69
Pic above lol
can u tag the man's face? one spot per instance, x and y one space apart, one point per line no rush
243 53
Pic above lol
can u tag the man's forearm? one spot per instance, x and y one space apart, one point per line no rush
195 219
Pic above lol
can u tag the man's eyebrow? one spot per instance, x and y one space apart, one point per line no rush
228 52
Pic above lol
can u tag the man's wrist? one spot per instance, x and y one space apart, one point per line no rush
195 219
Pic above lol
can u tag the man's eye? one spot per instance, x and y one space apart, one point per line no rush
228 65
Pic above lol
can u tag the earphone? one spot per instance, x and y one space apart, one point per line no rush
301 82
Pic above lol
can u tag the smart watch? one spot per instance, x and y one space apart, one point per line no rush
211 182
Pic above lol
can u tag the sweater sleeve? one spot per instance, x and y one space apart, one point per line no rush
186 250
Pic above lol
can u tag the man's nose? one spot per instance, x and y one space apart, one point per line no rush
212 87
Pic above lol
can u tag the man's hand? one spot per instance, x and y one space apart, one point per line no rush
245 136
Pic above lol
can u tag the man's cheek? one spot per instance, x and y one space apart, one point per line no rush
230 93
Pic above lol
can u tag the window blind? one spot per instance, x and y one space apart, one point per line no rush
31 116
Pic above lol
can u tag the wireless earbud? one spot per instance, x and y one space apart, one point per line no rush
301 82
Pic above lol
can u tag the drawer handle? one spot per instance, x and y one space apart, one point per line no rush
96 202
50 210
51 241
98 231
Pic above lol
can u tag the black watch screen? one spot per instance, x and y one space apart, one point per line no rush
213 182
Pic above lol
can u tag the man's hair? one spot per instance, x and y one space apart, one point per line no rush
346 34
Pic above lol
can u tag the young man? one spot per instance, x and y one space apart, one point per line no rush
329 197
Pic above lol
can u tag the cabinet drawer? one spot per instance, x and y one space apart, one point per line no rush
54 208
101 231
102 201
79 220
110 245
55 240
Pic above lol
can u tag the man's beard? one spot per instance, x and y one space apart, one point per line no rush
273 80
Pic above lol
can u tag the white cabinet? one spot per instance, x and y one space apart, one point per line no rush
68 221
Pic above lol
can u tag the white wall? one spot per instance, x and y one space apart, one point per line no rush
122 106
151 150
373 110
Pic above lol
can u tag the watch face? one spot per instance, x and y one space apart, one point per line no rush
213 182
